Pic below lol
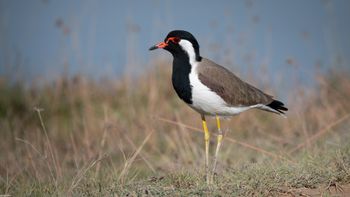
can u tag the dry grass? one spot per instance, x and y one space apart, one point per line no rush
83 137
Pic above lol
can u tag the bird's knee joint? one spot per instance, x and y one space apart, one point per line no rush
206 136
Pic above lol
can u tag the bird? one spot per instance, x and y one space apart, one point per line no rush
211 89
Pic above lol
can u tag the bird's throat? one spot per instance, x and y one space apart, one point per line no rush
180 77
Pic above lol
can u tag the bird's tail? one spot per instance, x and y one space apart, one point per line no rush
276 107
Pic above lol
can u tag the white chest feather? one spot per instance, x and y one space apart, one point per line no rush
208 102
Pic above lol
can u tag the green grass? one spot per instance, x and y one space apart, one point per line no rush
328 168
262 179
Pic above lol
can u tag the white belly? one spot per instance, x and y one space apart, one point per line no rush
208 102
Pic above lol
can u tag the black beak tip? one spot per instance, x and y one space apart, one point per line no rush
153 47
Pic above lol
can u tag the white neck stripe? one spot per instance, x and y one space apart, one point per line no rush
188 48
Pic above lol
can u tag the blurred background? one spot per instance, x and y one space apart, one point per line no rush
43 39
81 95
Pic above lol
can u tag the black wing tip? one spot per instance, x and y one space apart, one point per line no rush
278 106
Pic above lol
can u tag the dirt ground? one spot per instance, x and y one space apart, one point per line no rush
331 190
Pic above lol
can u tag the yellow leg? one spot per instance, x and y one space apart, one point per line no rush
206 139
218 145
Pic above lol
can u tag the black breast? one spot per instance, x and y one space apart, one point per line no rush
180 78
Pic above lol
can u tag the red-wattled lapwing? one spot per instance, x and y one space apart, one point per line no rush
211 89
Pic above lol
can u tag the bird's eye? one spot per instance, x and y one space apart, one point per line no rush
175 40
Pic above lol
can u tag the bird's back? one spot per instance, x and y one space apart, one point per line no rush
228 86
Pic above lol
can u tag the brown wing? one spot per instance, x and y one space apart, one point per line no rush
233 90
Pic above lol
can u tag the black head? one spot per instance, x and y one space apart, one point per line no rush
173 44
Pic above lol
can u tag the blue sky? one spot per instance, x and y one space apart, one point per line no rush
44 38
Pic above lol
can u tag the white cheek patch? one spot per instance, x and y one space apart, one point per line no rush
188 47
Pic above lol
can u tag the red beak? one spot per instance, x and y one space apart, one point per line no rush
157 46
